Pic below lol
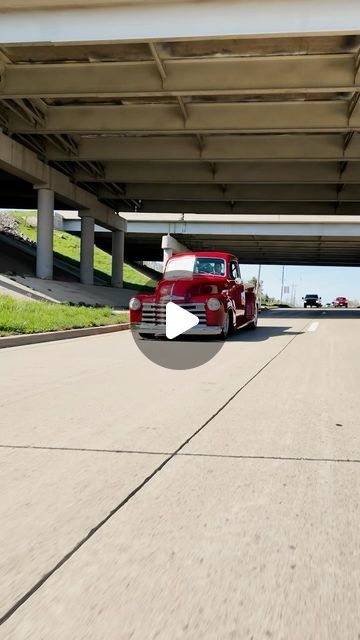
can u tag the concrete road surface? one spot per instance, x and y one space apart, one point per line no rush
218 503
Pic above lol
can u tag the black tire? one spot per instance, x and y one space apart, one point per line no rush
226 330
253 325
305 306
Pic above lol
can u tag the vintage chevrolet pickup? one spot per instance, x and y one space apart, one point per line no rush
207 284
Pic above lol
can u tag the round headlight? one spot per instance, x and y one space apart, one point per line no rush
135 304
213 304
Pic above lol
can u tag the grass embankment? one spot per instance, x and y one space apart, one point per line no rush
18 317
67 247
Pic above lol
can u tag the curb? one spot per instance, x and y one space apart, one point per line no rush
51 336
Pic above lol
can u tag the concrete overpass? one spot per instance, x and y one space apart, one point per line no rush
329 240
247 107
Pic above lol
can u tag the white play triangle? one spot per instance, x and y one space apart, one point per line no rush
178 320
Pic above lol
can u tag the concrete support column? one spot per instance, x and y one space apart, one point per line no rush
167 253
45 228
170 246
87 250
118 238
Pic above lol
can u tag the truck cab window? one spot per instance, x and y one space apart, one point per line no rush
234 270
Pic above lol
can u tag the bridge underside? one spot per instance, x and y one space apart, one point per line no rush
203 122
329 243
304 250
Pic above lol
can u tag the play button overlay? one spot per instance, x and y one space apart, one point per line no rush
178 320
176 348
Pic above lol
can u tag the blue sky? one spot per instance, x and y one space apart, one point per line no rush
327 282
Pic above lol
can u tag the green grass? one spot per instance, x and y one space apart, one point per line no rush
17 317
67 247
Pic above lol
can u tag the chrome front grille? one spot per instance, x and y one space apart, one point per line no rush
155 313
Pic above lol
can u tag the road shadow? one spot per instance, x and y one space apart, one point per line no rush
241 335
262 333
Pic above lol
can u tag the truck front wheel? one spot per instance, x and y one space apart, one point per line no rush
227 326
253 324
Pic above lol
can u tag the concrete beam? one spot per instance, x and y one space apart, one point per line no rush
209 76
107 219
258 208
220 148
339 242
239 192
171 218
36 5
255 227
225 172
171 20
207 117
19 161
133 220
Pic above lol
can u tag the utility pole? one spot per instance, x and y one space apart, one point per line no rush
282 284
258 287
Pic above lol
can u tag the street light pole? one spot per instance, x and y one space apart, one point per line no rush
282 284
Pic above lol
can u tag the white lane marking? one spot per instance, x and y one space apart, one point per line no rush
313 326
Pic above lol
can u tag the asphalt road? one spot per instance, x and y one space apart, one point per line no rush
217 503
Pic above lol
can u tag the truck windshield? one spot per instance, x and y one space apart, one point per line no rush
187 266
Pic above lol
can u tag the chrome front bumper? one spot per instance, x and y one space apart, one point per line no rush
160 330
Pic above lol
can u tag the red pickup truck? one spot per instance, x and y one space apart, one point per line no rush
341 302
207 284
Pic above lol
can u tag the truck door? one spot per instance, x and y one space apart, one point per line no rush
236 290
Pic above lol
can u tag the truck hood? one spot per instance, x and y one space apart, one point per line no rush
185 289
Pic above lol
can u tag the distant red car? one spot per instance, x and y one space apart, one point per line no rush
341 302
207 284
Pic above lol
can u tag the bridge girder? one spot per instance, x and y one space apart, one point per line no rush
240 107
